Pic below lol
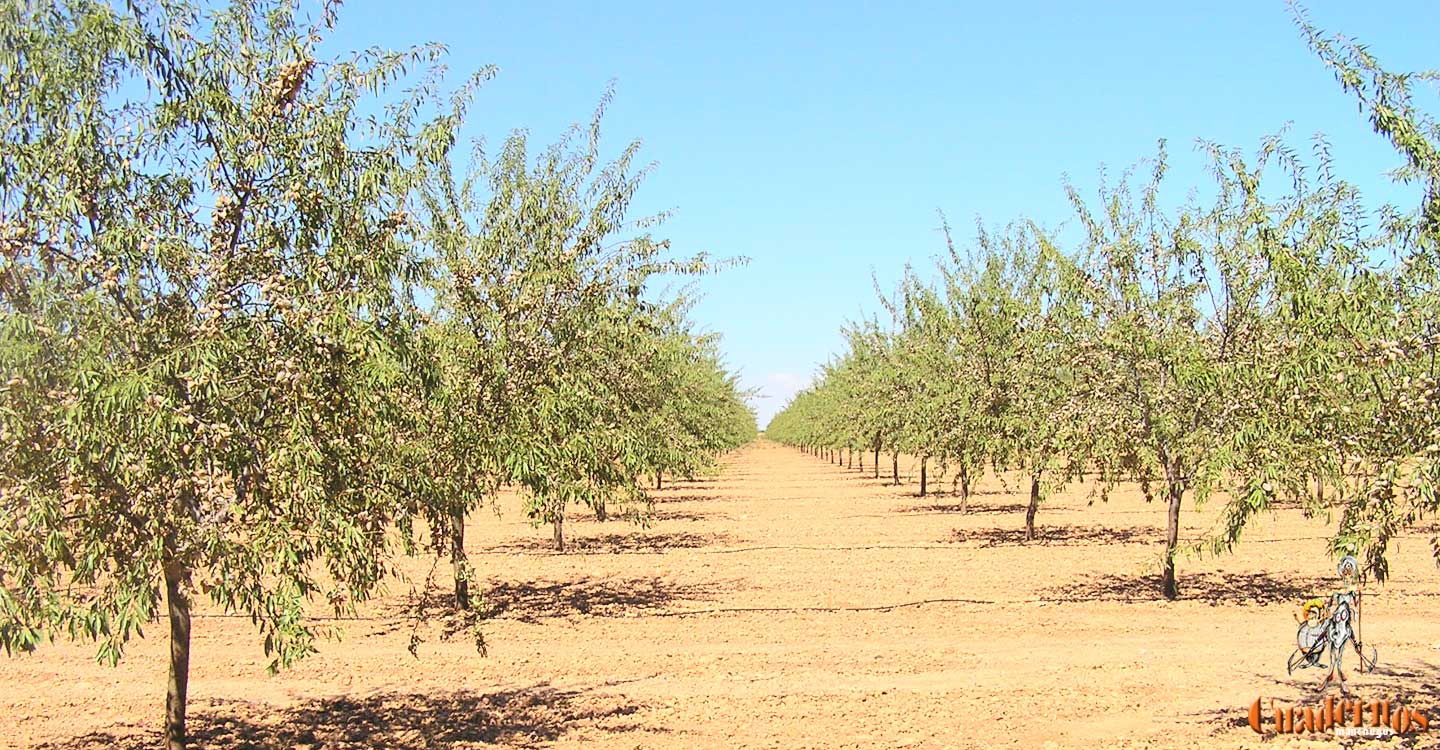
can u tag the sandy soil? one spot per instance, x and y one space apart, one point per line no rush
787 603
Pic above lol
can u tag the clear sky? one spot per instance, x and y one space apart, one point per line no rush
819 139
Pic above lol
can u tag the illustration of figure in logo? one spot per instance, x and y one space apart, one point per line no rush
1328 626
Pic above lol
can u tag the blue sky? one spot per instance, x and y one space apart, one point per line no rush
819 139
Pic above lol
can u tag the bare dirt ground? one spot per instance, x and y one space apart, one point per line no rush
788 603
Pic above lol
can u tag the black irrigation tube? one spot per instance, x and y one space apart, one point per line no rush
876 608
723 551
776 610
815 548
694 612
809 548
926 602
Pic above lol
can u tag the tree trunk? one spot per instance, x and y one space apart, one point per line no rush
862 459
1176 490
457 558
964 477
657 479
1034 506
1319 490
922 475
895 467
877 455
178 685
560 532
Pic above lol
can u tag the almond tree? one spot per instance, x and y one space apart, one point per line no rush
1351 384
892 388
1391 325
204 342
1027 322
861 389
595 435
843 409
922 376
1177 314
698 410
966 435
518 264
554 369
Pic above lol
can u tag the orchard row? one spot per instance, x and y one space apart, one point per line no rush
259 335
1275 338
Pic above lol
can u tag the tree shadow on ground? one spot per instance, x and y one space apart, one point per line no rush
971 509
942 489
667 499
1058 536
619 544
1411 681
666 514
430 607
1212 588
405 721
868 480
686 484
532 601
1224 718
